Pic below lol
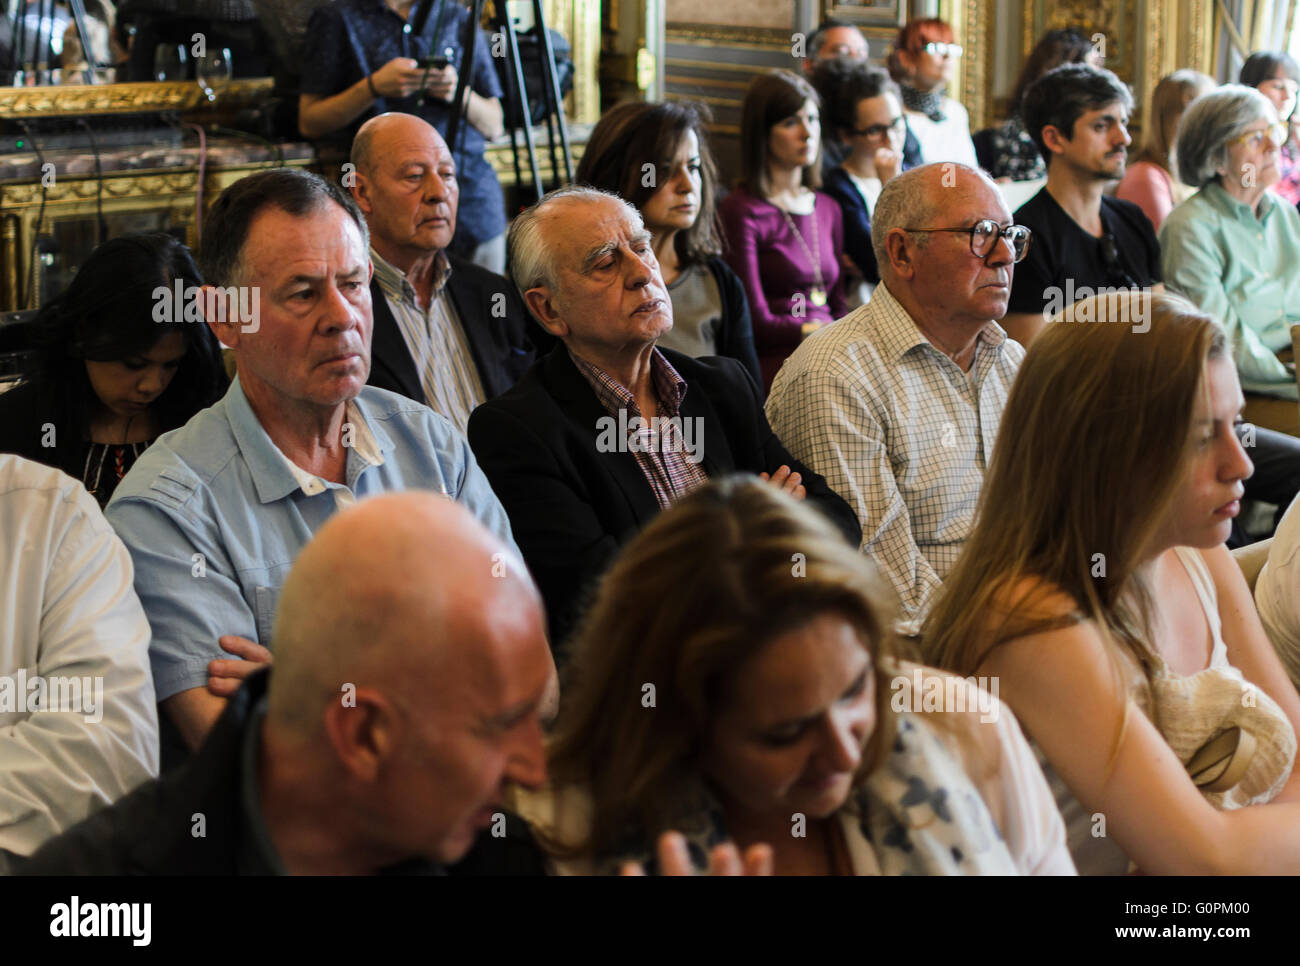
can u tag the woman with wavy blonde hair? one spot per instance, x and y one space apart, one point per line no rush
736 680
1096 588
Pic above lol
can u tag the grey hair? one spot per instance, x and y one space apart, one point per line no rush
1209 123
909 200
530 261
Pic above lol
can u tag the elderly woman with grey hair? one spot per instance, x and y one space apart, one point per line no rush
1234 246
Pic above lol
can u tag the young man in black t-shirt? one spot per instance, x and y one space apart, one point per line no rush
1083 240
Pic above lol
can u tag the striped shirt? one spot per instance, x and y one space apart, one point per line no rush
436 341
900 431
663 455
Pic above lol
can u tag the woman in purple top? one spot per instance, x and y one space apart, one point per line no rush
784 237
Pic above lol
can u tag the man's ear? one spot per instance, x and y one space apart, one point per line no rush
360 189
539 302
900 258
363 728
221 313
1054 139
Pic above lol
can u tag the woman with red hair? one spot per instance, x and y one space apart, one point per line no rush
921 63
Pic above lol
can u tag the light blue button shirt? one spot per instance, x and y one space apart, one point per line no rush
214 515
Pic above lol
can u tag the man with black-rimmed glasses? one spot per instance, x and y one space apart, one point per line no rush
898 403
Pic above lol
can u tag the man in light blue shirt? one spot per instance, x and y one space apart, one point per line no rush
215 512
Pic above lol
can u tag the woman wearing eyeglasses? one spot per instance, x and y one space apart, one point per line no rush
1277 76
922 62
1233 247
865 110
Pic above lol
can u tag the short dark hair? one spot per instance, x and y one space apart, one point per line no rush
634 134
771 98
1063 95
842 84
1263 65
817 36
292 190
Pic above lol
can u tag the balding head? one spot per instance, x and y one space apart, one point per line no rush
410 650
405 184
933 273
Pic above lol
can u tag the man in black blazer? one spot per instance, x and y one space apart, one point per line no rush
447 333
562 448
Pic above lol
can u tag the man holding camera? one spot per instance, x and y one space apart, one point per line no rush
367 57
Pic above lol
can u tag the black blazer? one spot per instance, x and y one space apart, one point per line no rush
501 346
571 508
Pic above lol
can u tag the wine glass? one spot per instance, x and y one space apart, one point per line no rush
169 62
213 72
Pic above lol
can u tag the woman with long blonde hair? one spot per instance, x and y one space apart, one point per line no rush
736 680
1096 589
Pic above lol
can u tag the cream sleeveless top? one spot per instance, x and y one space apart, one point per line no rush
1189 711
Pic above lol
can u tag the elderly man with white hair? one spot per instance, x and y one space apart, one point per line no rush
898 403
608 429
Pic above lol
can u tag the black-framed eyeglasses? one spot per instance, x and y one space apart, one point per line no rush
984 235
880 130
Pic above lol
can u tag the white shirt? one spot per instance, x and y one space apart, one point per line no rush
900 432
946 140
1277 592
69 611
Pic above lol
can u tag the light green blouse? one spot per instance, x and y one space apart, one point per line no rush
1243 270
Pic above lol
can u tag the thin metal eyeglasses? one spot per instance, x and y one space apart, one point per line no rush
984 235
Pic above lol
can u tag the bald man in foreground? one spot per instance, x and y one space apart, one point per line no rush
403 702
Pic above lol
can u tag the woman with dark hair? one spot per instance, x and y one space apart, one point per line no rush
1013 154
922 61
783 236
657 157
777 696
864 109
118 363
1277 76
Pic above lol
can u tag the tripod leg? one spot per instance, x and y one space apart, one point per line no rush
465 72
552 86
516 67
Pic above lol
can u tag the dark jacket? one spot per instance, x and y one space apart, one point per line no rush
24 412
150 831
500 344
571 507
857 221
735 335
